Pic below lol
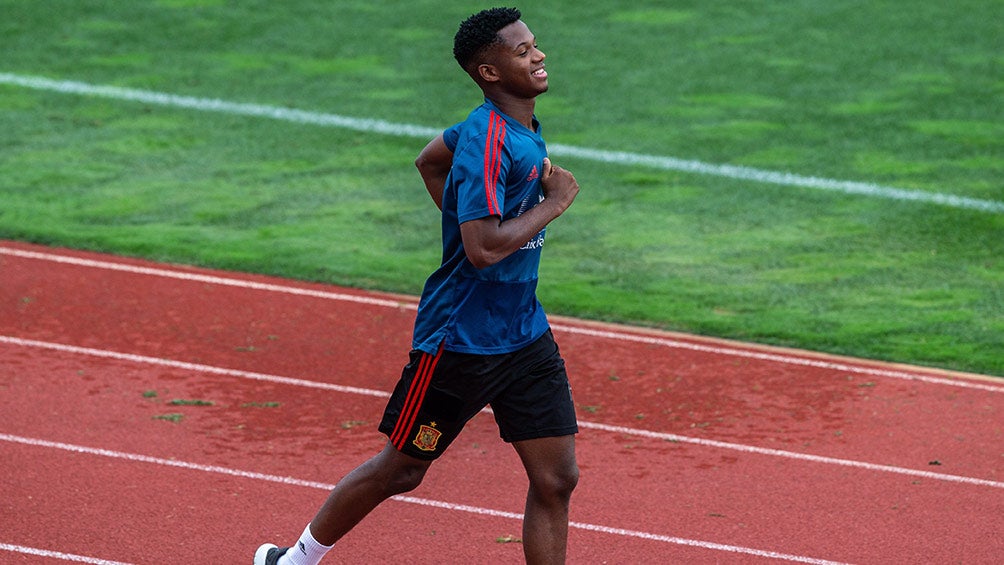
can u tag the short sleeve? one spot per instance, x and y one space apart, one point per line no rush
451 136
480 166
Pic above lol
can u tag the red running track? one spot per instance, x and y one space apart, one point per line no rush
692 450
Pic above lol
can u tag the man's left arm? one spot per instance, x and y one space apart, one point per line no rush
489 240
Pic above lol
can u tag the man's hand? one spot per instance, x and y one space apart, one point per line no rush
559 185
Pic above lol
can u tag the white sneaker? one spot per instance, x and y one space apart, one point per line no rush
269 554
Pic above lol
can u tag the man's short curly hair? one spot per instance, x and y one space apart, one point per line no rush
479 32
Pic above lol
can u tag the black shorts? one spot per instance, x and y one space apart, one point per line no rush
528 391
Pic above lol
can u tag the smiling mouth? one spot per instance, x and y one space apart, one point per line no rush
539 73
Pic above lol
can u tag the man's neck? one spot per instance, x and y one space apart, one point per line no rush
519 108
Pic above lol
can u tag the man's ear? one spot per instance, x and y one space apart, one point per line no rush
488 73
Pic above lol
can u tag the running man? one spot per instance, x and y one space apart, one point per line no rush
481 336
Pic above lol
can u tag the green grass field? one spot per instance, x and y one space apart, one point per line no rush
890 94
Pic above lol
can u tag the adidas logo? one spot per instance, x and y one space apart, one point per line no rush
533 174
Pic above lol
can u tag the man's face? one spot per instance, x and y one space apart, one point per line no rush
519 63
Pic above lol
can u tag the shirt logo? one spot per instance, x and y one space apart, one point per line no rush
533 174
535 243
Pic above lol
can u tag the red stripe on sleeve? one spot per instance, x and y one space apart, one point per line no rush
493 161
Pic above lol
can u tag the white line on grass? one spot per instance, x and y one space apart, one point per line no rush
101 353
406 499
737 172
408 130
412 305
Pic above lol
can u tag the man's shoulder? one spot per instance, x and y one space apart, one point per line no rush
477 120
473 131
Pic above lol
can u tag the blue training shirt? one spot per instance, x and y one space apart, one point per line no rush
496 170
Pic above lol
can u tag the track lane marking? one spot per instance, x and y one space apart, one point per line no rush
195 367
34 442
779 358
408 304
208 279
56 554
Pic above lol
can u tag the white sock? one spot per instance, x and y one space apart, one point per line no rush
306 551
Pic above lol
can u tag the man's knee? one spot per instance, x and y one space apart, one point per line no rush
399 473
557 483
405 479
551 466
567 480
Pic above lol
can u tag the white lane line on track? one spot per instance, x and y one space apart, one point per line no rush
793 455
56 555
412 305
582 424
405 499
194 367
779 358
208 279
407 130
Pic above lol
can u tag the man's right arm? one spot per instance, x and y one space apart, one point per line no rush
434 164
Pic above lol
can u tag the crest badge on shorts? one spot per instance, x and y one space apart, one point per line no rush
427 437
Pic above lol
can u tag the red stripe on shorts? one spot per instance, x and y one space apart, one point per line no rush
416 394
